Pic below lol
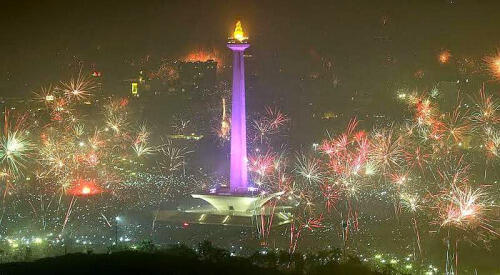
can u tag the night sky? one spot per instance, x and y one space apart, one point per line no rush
315 65
40 38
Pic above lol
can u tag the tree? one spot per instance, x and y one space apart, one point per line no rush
210 253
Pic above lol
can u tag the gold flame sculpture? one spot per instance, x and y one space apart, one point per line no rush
238 32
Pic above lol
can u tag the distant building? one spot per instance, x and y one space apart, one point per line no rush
197 77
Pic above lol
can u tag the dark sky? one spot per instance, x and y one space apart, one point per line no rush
38 37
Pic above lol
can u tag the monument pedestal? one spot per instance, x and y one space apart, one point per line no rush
230 209
246 205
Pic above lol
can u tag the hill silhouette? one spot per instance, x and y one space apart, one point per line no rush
184 260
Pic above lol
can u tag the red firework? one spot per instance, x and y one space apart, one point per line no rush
82 187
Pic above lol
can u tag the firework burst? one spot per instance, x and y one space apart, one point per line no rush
14 150
493 64
77 89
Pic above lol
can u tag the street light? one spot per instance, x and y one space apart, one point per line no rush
117 219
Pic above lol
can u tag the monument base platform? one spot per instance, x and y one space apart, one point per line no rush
230 209
179 217
246 205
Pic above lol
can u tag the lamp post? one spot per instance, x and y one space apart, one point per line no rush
117 219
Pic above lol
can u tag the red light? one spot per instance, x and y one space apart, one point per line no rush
185 224
81 187
86 190
123 102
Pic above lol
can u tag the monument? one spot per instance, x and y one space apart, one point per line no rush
241 202
238 174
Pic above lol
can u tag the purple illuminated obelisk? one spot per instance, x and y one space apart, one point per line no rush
238 178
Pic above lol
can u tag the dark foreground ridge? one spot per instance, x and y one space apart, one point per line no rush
183 260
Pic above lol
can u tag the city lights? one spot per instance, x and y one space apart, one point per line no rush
335 139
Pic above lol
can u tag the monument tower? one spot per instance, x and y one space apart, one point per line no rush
238 182
242 204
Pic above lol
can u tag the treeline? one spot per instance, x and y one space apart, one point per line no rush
180 259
